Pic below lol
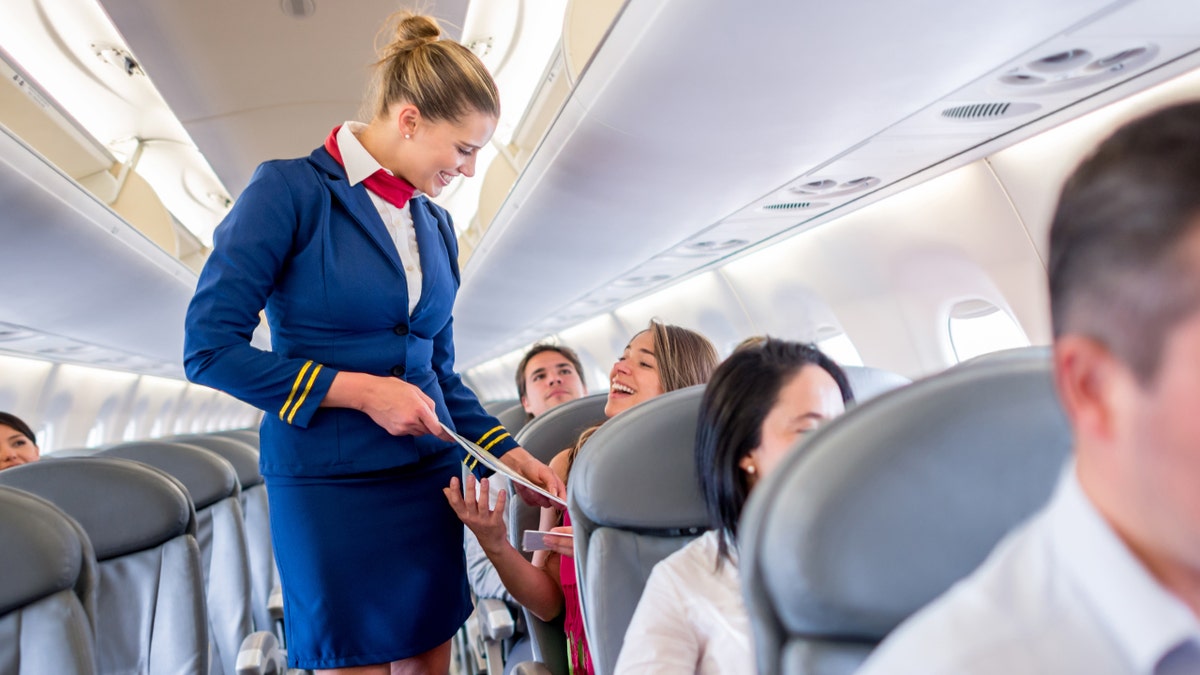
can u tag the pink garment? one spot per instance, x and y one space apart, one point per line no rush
578 655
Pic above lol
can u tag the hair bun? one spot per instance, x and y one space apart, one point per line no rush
412 31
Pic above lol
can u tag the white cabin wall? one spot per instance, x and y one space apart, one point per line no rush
1034 170
705 303
74 406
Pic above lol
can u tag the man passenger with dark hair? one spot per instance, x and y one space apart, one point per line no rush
547 376
1106 578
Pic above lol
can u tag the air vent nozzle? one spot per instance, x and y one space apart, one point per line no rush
998 110
792 206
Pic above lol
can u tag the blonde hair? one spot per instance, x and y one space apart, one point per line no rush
442 78
684 357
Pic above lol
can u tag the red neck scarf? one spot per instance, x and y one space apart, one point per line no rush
395 190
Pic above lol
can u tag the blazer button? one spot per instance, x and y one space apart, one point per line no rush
397 371
400 330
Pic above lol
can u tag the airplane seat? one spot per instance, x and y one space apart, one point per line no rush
889 505
513 418
1009 355
544 437
48 581
867 382
499 405
634 499
149 607
249 436
264 576
212 483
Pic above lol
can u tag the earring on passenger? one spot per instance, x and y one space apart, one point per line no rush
408 135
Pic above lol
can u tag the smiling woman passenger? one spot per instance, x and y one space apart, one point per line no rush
17 444
659 359
760 402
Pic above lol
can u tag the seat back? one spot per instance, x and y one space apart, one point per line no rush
867 382
221 533
886 507
149 606
47 580
255 513
497 406
514 418
249 436
634 499
544 437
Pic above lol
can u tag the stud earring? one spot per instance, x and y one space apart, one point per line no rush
751 469
408 135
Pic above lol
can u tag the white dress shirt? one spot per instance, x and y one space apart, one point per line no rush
359 165
1062 594
691 618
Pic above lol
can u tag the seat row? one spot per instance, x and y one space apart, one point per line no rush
174 561
886 507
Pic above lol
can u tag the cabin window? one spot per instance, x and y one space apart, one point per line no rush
979 327
840 349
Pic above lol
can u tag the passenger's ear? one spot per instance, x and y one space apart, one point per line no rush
525 405
746 463
1087 376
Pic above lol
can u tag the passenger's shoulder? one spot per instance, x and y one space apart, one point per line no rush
560 462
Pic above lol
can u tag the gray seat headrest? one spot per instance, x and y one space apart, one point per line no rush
558 428
41 551
513 418
638 470
247 435
123 506
497 406
239 453
207 477
887 506
867 382
1014 354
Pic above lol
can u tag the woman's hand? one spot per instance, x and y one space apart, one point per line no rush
562 545
519 460
399 407
487 524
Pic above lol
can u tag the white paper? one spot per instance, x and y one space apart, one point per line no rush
493 462
535 540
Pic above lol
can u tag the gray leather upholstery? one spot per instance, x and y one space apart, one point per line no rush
886 507
634 499
46 580
867 382
544 437
256 514
499 405
513 418
221 533
149 612
248 435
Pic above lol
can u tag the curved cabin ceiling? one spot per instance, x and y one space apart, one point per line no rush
698 131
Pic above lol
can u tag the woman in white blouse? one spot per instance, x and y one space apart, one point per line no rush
759 402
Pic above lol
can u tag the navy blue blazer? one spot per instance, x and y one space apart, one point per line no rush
312 250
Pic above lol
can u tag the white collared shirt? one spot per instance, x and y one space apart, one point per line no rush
691 618
359 165
1062 594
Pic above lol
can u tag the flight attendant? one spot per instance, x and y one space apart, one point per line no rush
357 271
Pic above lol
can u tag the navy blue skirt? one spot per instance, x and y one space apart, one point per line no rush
371 564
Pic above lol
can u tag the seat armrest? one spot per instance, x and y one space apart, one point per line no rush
275 603
260 655
495 620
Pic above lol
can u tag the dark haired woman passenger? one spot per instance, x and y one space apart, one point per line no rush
759 402
17 444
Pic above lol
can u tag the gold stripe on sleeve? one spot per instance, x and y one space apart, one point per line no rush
307 388
491 431
295 386
496 440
